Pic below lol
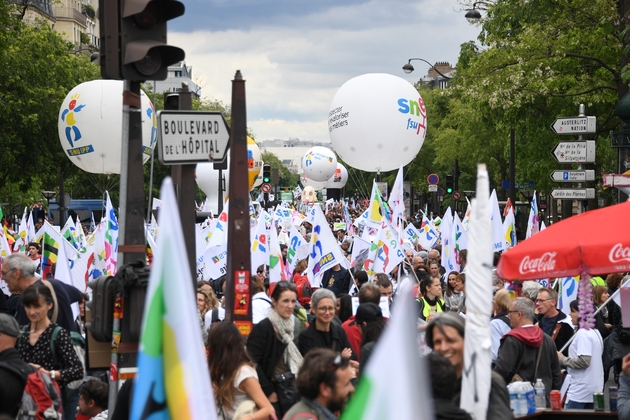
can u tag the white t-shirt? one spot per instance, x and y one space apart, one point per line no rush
584 382
244 372
261 304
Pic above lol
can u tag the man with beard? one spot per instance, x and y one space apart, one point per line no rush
324 383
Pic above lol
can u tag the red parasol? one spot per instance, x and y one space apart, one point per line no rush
595 242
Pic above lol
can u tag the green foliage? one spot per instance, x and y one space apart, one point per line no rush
286 179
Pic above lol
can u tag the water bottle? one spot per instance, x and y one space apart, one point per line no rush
514 403
522 399
541 401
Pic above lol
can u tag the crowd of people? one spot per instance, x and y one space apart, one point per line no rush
309 347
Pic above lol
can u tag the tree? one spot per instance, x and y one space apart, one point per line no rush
286 179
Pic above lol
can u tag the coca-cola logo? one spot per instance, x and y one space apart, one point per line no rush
546 262
618 254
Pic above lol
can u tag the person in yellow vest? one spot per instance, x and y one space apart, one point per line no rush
431 302
598 281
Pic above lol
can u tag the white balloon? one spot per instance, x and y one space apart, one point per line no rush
307 182
319 163
377 122
258 180
339 178
207 179
90 126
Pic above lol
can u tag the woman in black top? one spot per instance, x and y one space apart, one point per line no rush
35 345
323 333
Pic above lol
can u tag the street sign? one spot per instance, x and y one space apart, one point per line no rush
440 192
573 193
433 188
457 195
574 125
266 188
582 151
187 137
433 179
573 176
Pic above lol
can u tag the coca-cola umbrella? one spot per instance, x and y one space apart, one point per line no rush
593 243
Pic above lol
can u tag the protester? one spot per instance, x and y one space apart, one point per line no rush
385 286
500 323
323 333
344 308
445 335
553 322
369 292
324 383
272 348
371 323
602 319
337 279
431 302
584 364
530 289
443 380
19 272
36 344
93 399
302 284
13 370
623 404
261 303
454 295
526 351
234 377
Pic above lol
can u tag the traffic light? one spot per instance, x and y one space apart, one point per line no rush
102 308
449 184
144 53
171 101
266 174
108 17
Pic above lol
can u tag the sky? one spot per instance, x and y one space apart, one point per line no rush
296 54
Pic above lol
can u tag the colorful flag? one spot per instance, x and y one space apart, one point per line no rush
389 385
428 234
324 250
390 251
508 206
296 240
568 293
533 220
349 226
509 229
22 234
498 242
171 353
466 220
448 258
260 244
375 210
111 238
276 264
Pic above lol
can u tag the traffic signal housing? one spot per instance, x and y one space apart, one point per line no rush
266 174
449 184
171 101
102 308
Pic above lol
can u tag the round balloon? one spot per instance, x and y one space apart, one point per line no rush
258 180
377 122
319 163
90 126
254 161
207 179
307 182
339 178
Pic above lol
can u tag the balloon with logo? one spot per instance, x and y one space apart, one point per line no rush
254 162
377 122
90 126
307 182
308 195
339 178
319 163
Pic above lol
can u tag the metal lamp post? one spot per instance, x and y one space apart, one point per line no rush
48 195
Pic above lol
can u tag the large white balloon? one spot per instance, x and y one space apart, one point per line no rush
307 182
90 126
377 122
339 178
319 163
207 179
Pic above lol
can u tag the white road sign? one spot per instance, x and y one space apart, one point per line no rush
573 193
187 137
432 188
573 176
574 125
582 151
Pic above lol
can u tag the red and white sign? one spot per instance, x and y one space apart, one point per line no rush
457 195
266 188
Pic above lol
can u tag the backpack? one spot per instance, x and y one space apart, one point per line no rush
304 289
78 343
41 398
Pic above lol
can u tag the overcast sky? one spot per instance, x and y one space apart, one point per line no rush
295 54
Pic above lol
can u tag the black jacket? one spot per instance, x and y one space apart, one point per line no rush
498 403
13 373
336 281
310 338
564 334
265 349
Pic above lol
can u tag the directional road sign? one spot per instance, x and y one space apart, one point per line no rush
574 125
187 137
573 176
582 151
616 180
573 193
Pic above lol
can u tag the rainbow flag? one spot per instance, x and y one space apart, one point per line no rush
173 380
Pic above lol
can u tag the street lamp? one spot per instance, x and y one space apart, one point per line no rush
408 68
473 15
48 195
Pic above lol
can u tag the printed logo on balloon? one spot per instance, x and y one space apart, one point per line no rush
72 131
417 109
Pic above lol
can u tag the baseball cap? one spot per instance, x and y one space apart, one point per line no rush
368 312
9 326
